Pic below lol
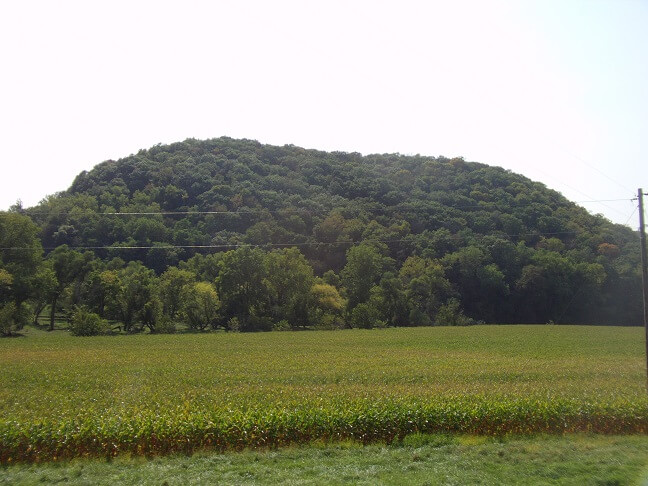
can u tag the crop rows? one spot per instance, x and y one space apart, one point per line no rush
181 431
66 397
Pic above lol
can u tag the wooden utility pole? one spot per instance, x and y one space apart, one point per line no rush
644 271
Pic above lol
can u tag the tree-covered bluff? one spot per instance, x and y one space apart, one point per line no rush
288 237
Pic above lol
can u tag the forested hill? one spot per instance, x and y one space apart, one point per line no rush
430 239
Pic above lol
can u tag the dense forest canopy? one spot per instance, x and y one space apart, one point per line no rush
241 235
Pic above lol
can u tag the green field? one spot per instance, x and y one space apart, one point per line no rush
148 394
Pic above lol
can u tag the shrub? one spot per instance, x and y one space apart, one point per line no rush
8 322
234 325
86 323
165 326
329 322
450 314
419 318
282 325
257 323
365 316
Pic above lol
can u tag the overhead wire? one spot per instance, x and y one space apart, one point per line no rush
584 162
275 211
266 245
543 133
630 217
546 174
265 211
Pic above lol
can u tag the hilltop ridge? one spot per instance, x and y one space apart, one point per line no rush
511 249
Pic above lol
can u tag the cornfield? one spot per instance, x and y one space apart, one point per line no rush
65 397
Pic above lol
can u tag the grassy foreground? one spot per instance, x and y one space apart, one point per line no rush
419 459
66 397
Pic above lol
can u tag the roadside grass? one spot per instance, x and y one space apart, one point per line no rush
65 397
581 459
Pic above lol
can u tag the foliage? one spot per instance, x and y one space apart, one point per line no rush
200 305
242 285
329 322
6 281
507 248
326 306
44 285
233 324
363 269
426 288
85 323
450 314
8 322
289 278
132 299
20 268
70 269
282 325
22 257
171 285
365 316
165 326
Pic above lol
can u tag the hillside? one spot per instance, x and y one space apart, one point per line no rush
435 239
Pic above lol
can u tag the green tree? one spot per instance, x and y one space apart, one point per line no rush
326 306
364 267
22 249
44 285
70 267
171 285
554 288
132 298
242 285
481 284
391 300
365 316
201 305
100 286
289 278
426 288
205 267
468 215
332 278
20 261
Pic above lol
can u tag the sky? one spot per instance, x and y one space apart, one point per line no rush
554 90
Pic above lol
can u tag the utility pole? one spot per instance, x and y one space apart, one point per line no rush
644 271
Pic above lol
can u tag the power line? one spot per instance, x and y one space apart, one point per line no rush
543 133
606 200
281 211
163 213
266 245
591 166
578 190
630 217
547 137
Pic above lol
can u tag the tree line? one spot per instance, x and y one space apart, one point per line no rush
436 240
252 289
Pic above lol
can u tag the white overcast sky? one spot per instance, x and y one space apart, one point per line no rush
554 90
